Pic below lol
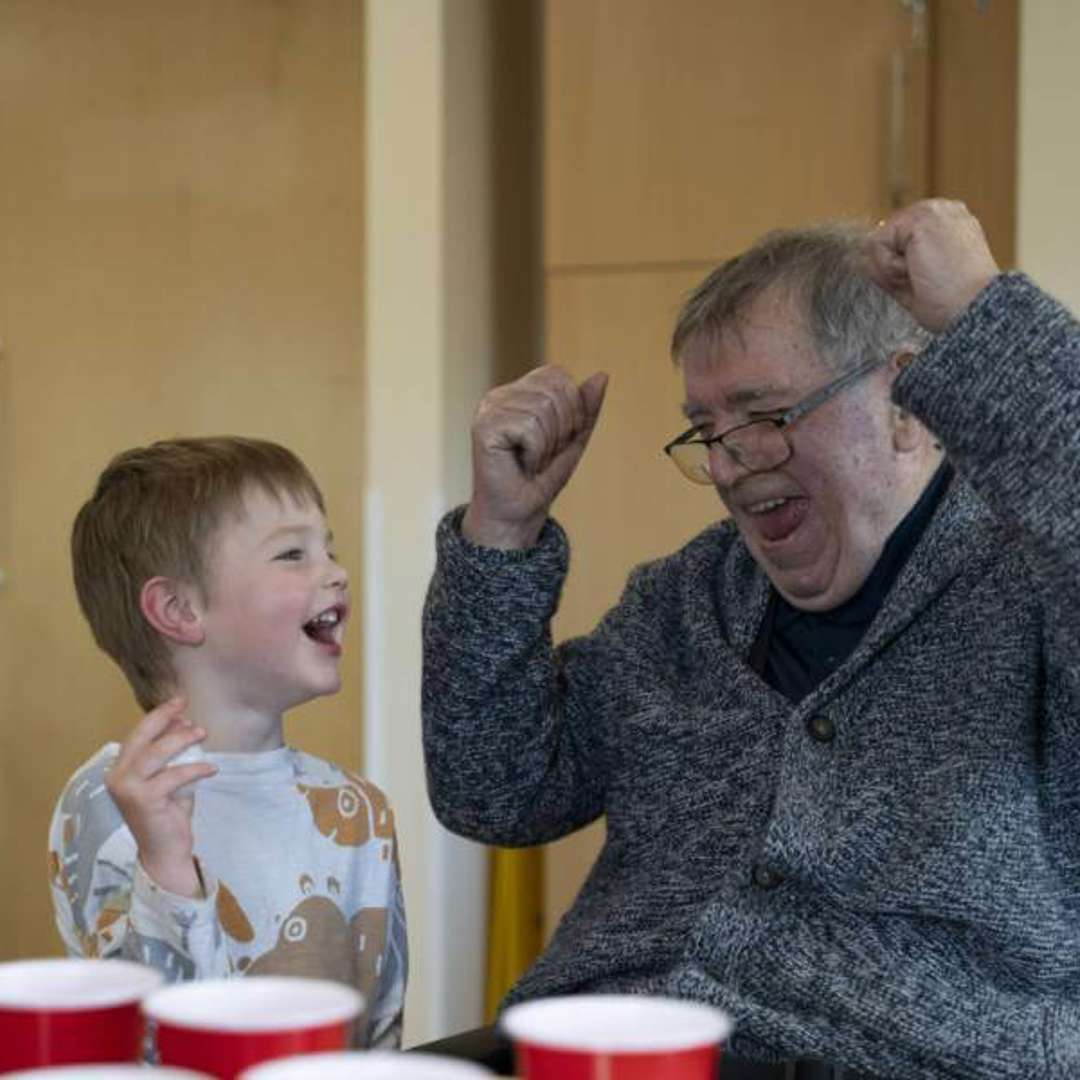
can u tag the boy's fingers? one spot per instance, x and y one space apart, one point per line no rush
156 721
162 750
173 707
149 728
170 780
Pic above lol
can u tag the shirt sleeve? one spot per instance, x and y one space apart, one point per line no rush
106 905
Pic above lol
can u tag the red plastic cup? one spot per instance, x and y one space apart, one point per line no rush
59 1012
223 1026
616 1037
368 1065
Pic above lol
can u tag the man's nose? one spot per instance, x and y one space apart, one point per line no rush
723 468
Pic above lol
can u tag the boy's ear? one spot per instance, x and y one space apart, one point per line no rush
172 608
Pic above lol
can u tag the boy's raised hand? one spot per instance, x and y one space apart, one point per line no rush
146 789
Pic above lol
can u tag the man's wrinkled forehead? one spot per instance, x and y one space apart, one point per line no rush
778 308
768 330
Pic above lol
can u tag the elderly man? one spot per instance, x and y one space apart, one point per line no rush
836 737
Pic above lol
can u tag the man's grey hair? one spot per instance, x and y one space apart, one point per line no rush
849 318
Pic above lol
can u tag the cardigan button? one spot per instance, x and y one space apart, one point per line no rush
821 727
765 877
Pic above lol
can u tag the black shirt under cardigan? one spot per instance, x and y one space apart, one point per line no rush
796 650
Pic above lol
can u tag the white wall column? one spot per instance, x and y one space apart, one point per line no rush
1048 189
429 354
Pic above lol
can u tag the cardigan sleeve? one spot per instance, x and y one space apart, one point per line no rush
1001 389
517 732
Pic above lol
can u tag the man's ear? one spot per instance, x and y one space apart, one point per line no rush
172 608
907 432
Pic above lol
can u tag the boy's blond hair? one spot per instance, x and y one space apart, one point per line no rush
155 511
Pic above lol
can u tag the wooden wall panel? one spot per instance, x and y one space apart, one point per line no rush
974 113
682 130
626 503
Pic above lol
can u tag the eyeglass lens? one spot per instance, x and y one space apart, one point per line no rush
756 446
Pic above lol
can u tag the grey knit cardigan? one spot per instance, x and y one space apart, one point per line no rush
897 888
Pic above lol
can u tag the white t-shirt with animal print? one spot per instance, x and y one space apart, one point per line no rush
299 860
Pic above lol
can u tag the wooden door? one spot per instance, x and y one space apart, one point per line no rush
675 134
181 214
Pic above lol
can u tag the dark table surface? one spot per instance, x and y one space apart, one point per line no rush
488 1047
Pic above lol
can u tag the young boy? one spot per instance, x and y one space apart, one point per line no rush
207 572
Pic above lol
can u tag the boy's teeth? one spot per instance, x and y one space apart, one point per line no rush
324 626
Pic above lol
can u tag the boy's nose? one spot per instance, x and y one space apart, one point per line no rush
337 577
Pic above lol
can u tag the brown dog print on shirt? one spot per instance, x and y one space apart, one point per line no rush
316 941
352 814
231 915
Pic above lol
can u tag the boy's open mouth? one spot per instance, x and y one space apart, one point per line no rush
323 628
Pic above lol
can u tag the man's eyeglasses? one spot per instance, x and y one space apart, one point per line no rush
759 445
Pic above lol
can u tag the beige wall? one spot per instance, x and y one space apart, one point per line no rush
1048 217
447 300
181 214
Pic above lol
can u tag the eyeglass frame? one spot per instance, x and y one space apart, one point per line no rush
797 411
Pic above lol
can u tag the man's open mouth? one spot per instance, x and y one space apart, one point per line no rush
775 519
